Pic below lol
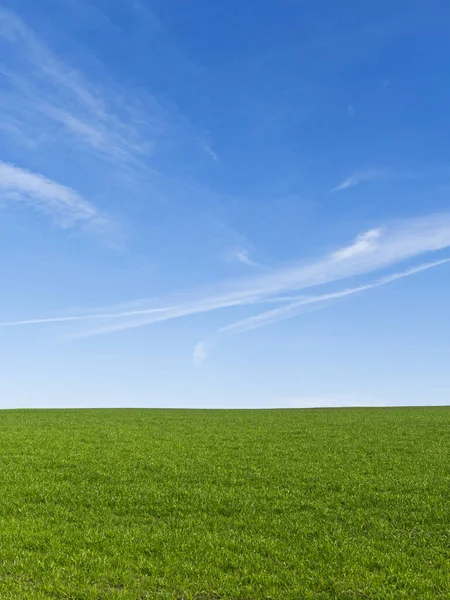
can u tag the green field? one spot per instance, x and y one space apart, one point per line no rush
166 504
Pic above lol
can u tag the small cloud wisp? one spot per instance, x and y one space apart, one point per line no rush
66 206
360 177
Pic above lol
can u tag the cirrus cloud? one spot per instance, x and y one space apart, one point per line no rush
66 206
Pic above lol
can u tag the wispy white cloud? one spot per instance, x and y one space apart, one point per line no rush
43 92
125 311
203 348
15 31
41 85
359 177
122 138
291 310
377 249
107 137
65 205
364 243
300 306
200 352
242 255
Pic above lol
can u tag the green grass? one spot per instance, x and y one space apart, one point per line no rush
348 503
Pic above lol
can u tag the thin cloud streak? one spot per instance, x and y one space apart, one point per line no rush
165 313
126 127
201 350
65 205
244 257
129 313
47 88
375 250
16 31
359 177
288 311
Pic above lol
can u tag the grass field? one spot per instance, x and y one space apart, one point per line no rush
337 503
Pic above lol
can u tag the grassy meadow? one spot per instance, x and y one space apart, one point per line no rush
231 505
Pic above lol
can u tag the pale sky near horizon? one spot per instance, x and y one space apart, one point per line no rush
224 204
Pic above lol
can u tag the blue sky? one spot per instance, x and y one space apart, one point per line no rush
224 204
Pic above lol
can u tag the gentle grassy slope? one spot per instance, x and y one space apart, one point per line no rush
247 505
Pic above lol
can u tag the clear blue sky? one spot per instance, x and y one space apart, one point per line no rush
224 204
